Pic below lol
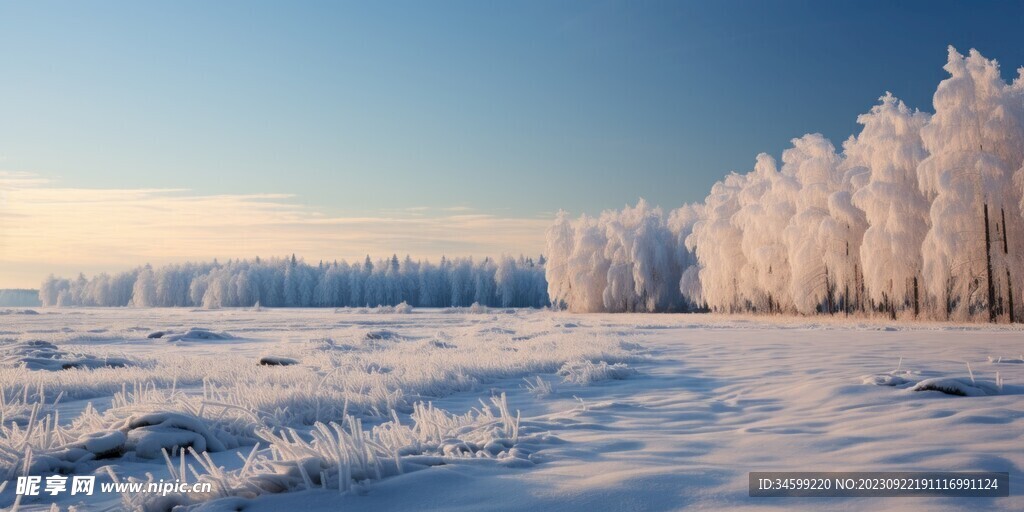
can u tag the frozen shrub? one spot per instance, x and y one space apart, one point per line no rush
586 372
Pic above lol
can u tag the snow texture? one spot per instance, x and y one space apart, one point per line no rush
659 412
42 355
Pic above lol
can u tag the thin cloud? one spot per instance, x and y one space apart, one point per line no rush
68 229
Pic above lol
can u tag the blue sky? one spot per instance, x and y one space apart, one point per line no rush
511 109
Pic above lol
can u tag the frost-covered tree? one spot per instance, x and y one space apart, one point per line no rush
919 213
889 148
51 289
814 164
628 260
767 205
975 144
717 243
680 223
144 289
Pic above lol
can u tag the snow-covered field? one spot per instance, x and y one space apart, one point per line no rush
498 409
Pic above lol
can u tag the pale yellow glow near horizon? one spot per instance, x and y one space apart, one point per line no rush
49 229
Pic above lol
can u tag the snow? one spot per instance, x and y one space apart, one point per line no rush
586 372
195 334
399 309
151 433
103 443
957 387
520 409
42 355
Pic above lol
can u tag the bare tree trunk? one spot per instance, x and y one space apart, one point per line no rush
846 299
1009 293
856 287
1006 246
829 295
846 285
988 263
917 307
1009 281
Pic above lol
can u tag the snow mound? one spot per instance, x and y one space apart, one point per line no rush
403 308
43 355
100 445
103 444
1006 360
587 372
382 334
475 308
885 379
277 361
957 387
19 312
630 346
895 378
197 334
496 330
439 344
328 344
148 434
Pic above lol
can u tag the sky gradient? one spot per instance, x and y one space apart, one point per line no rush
135 132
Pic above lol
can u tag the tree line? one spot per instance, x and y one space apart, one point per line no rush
918 215
291 282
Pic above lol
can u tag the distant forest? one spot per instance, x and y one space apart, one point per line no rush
19 298
291 282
